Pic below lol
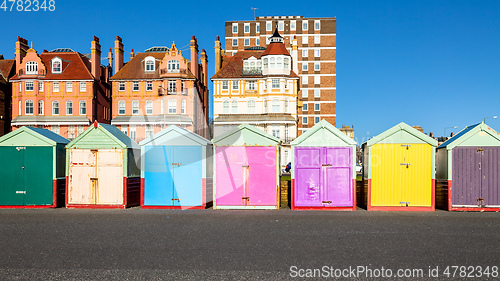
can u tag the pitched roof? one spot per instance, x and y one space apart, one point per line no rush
6 67
323 125
48 134
134 69
45 135
255 118
399 128
75 66
468 132
184 132
276 49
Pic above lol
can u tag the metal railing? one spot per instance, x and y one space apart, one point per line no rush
252 71
173 71
40 72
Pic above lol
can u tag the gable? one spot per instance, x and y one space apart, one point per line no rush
94 139
174 135
25 137
402 133
245 135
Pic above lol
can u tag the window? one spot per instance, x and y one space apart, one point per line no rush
161 106
56 65
293 25
305 80
121 107
40 107
286 105
55 108
28 104
235 28
275 131
305 93
316 107
69 107
173 66
135 107
83 86
149 131
304 120
251 106
304 53
305 25
316 119
235 85
31 67
135 86
183 88
275 83
251 85
79 129
257 41
317 39
234 107
286 63
71 131
28 85
279 63
20 108
133 133
40 86
55 129
316 66
272 63
317 53
172 106
183 106
225 85
281 26
316 93
121 86
55 86
317 25
150 64
265 63
149 107
172 86
269 26
69 86
304 40
317 79
304 66
124 129
257 28
304 107
276 106
247 27
265 106
83 107
235 42
149 85
225 107
247 42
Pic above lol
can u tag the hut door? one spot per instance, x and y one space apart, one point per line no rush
38 167
416 177
260 186
109 188
337 174
490 182
187 175
158 176
229 180
12 176
82 176
308 164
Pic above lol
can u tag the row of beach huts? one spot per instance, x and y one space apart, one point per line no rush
403 170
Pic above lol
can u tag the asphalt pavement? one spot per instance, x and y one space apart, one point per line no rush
137 244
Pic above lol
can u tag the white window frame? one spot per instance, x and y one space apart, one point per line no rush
247 42
54 64
317 119
305 80
251 85
83 87
317 79
317 107
149 107
55 106
31 67
40 107
257 27
234 107
135 86
305 108
26 107
317 93
305 66
246 28
225 85
304 120
317 39
82 105
275 83
28 86
121 107
235 85
281 26
135 107
133 132
40 86
317 66
257 42
149 64
183 106
275 130
121 86
317 53
149 86
235 42
305 25
269 26
124 129
317 25
69 107
172 86
305 39
172 106
69 86
71 131
55 87
305 93
235 28
149 131
173 66
275 106
251 106
293 25
305 53
225 107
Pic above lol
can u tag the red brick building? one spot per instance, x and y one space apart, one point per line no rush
7 70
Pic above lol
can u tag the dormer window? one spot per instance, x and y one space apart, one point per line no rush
150 64
31 67
56 65
252 66
173 66
287 63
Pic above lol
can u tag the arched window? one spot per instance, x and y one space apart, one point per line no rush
286 105
234 107
173 66
149 107
150 64
56 65
245 64
287 63
251 106
55 108
40 107
272 63
83 107
121 107
183 106
172 106
225 106
69 107
135 107
279 63
28 107
31 67
252 65
265 63
276 105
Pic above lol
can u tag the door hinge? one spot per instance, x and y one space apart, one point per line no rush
245 198
176 199
176 164
480 202
405 164
406 145
245 166
20 147
480 150
405 203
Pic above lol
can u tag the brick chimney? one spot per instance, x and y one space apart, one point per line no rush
194 58
118 54
110 58
218 55
21 48
204 65
132 54
295 55
95 57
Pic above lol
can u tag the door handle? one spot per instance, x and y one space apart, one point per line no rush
247 198
326 165
176 199
327 202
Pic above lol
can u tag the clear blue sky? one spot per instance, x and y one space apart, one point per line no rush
430 63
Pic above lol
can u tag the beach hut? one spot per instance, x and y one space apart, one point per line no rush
101 170
32 169
323 170
468 170
176 170
246 174
398 167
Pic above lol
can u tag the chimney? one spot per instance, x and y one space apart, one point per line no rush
21 48
218 55
295 55
110 57
204 65
118 54
132 54
194 58
95 57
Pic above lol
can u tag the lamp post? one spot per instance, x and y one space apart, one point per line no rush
161 93
444 132
484 120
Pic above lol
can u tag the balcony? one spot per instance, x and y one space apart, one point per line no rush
41 72
173 72
252 71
